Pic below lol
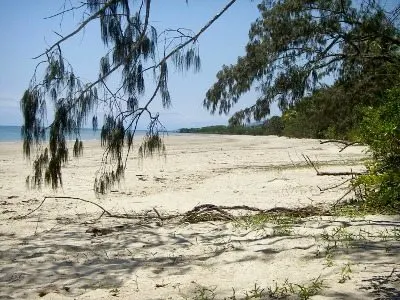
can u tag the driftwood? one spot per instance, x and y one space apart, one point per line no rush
345 143
319 173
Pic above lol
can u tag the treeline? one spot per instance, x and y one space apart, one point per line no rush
222 129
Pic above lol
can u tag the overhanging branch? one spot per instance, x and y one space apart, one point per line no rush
82 26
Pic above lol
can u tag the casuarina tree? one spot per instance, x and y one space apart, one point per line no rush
133 48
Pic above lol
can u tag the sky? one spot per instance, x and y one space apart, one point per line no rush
25 32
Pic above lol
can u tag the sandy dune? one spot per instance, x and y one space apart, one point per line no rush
56 252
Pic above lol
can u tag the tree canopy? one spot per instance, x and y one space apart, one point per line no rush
133 48
297 47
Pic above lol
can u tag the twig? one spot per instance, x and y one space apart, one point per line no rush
136 281
391 274
69 198
319 173
83 25
334 186
31 212
342 197
37 224
66 10
309 162
159 216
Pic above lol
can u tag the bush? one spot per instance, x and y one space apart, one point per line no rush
380 130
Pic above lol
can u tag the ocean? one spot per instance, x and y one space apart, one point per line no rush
13 134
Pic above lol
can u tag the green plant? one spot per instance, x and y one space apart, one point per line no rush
306 291
256 293
282 230
352 208
329 259
339 236
303 291
284 223
282 291
345 273
380 130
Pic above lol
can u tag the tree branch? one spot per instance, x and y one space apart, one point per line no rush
345 143
67 198
65 11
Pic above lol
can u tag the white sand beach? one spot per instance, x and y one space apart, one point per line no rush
54 253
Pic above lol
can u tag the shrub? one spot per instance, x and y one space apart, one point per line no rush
380 130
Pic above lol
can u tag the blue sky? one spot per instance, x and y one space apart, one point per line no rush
25 33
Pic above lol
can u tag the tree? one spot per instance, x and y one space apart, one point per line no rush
296 46
133 47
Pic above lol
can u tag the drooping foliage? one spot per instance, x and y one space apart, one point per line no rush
297 46
133 48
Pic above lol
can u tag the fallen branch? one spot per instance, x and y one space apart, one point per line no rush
104 211
342 197
319 173
162 219
345 143
200 213
351 173
334 186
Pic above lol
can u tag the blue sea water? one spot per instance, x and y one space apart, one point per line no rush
10 133
13 134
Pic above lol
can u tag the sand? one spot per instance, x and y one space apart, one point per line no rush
55 253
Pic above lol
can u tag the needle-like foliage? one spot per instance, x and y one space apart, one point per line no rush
133 47
296 46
